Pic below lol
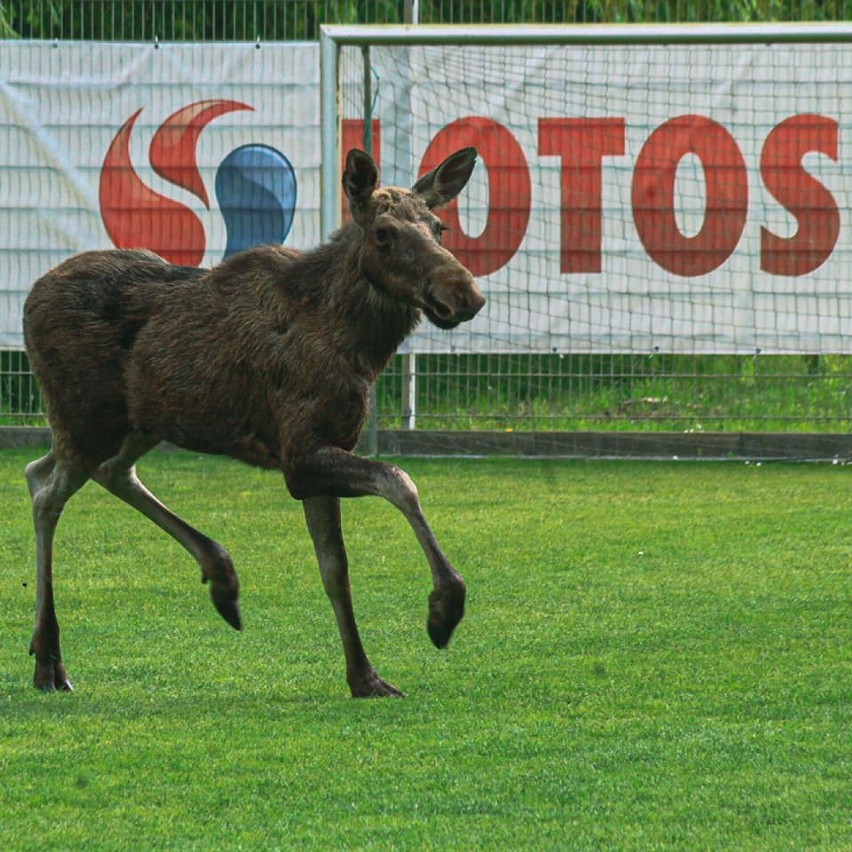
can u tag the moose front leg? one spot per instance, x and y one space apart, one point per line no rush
322 515
334 472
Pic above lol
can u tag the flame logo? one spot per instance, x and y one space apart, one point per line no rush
255 188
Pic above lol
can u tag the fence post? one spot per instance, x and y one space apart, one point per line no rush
372 448
409 391
411 14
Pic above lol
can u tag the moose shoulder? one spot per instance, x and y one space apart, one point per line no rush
267 358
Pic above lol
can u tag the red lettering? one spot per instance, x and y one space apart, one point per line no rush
581 144
806 198
509 193
726 200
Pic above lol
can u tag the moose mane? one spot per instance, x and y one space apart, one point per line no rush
363 319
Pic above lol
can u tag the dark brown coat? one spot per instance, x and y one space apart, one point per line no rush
267 358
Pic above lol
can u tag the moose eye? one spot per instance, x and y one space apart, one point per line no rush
383 236
438 229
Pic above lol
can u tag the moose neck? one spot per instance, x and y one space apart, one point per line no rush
368 325
382 326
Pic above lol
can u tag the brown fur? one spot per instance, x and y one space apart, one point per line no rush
267 358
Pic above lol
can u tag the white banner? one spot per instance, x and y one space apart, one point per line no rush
193 151
640 199
670 199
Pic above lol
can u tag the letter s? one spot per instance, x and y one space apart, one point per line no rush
802 195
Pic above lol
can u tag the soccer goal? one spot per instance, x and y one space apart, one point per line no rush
660 218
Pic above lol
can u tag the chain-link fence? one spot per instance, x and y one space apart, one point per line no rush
288 20
636 391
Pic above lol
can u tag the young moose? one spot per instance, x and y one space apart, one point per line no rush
266 358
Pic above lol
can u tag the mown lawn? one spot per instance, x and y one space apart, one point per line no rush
654 655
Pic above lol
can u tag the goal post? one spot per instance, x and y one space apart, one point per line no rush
642 190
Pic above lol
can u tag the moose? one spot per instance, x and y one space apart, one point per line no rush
267 358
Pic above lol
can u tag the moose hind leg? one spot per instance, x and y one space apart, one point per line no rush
322 515
118 476
50 484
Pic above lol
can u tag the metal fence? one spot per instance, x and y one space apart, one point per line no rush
792 393
247 20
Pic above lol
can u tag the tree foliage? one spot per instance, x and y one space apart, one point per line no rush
246 20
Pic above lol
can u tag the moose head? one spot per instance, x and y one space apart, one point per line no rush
402 255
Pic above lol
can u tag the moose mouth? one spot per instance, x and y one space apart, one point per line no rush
441 314
446 325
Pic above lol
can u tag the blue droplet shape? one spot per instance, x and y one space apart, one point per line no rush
256 191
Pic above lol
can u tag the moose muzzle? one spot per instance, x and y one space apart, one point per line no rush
451 299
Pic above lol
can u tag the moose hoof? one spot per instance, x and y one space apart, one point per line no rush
446 608
372 686
51 677
228 609
218 570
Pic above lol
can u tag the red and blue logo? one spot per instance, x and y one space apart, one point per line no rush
255 189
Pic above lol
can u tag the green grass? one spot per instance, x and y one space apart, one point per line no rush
655 655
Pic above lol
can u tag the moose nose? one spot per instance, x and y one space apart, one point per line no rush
452 296
477 302
467 312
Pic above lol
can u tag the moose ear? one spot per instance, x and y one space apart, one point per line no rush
445 182
360 178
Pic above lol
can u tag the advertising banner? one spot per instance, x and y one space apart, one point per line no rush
672 198
192 151
627 199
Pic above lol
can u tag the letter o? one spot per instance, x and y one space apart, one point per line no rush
509 192
653 195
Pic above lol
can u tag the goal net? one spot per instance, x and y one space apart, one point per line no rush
659 219
637 198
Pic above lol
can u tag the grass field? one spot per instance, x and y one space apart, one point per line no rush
655 655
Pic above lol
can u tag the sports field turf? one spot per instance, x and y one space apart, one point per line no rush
655 655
